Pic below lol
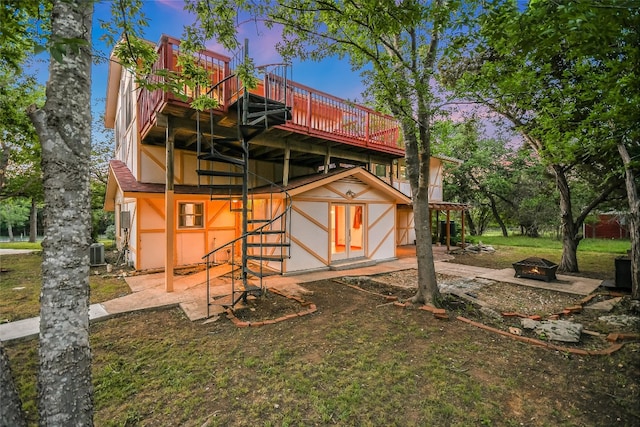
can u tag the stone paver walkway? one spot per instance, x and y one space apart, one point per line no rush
190 291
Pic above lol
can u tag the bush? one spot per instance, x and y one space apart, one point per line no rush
110 232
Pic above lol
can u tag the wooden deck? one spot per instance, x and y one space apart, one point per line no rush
314 114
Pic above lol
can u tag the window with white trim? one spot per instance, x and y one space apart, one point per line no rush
190 215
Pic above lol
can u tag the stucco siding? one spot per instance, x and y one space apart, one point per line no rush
381 227
405 228
309 236
152 164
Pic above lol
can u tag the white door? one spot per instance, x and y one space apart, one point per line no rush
347 231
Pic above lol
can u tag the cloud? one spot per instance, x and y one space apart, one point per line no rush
173 4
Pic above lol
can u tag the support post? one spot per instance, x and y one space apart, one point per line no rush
462 227
431 225
327 160
169 208
448 230
285 168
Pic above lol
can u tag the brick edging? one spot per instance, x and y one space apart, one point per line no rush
604 352
311 308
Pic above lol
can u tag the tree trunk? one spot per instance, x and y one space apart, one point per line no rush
11 408
10 232
496 216
634 220
418 173
64 128
5 150
472 226
570 234
33 221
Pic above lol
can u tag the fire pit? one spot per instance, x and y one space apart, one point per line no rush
536 268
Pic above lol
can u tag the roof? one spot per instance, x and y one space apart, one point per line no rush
306 183
121 179
448 159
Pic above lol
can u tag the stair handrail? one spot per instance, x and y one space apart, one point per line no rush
286 210
257 231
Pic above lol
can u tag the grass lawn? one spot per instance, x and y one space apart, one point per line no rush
357 361
21 280
596 257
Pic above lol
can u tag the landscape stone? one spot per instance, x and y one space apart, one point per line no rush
621 320
605 306
559 330
529 323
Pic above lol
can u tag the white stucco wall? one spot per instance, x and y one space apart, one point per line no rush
312 228
309 235
405 231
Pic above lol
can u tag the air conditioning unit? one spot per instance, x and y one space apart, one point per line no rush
96 254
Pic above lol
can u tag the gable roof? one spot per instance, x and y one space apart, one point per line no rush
306 183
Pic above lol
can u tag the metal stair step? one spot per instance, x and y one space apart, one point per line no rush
264 232
276 258
232 144
268 245
207 172
228 189
267 112
258 221
261 274
217 157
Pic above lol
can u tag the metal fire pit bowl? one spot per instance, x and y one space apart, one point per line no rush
536 268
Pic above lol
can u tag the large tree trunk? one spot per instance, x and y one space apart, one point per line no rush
496 216
471 224
33 221
418 173
570 232
5 150
11 408
634 220
10 232
64 128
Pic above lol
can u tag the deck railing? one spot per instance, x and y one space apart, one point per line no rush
313 112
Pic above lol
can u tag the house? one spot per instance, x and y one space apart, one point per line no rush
283 176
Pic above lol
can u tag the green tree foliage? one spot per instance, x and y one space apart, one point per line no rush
19 146
20 154
539 67
14 211
395 45
101 153
495 178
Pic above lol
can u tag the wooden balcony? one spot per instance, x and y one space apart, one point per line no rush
314 115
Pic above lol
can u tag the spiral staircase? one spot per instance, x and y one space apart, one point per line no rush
264 207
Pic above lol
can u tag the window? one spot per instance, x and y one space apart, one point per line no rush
190 215
402 172
380 170
127 102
